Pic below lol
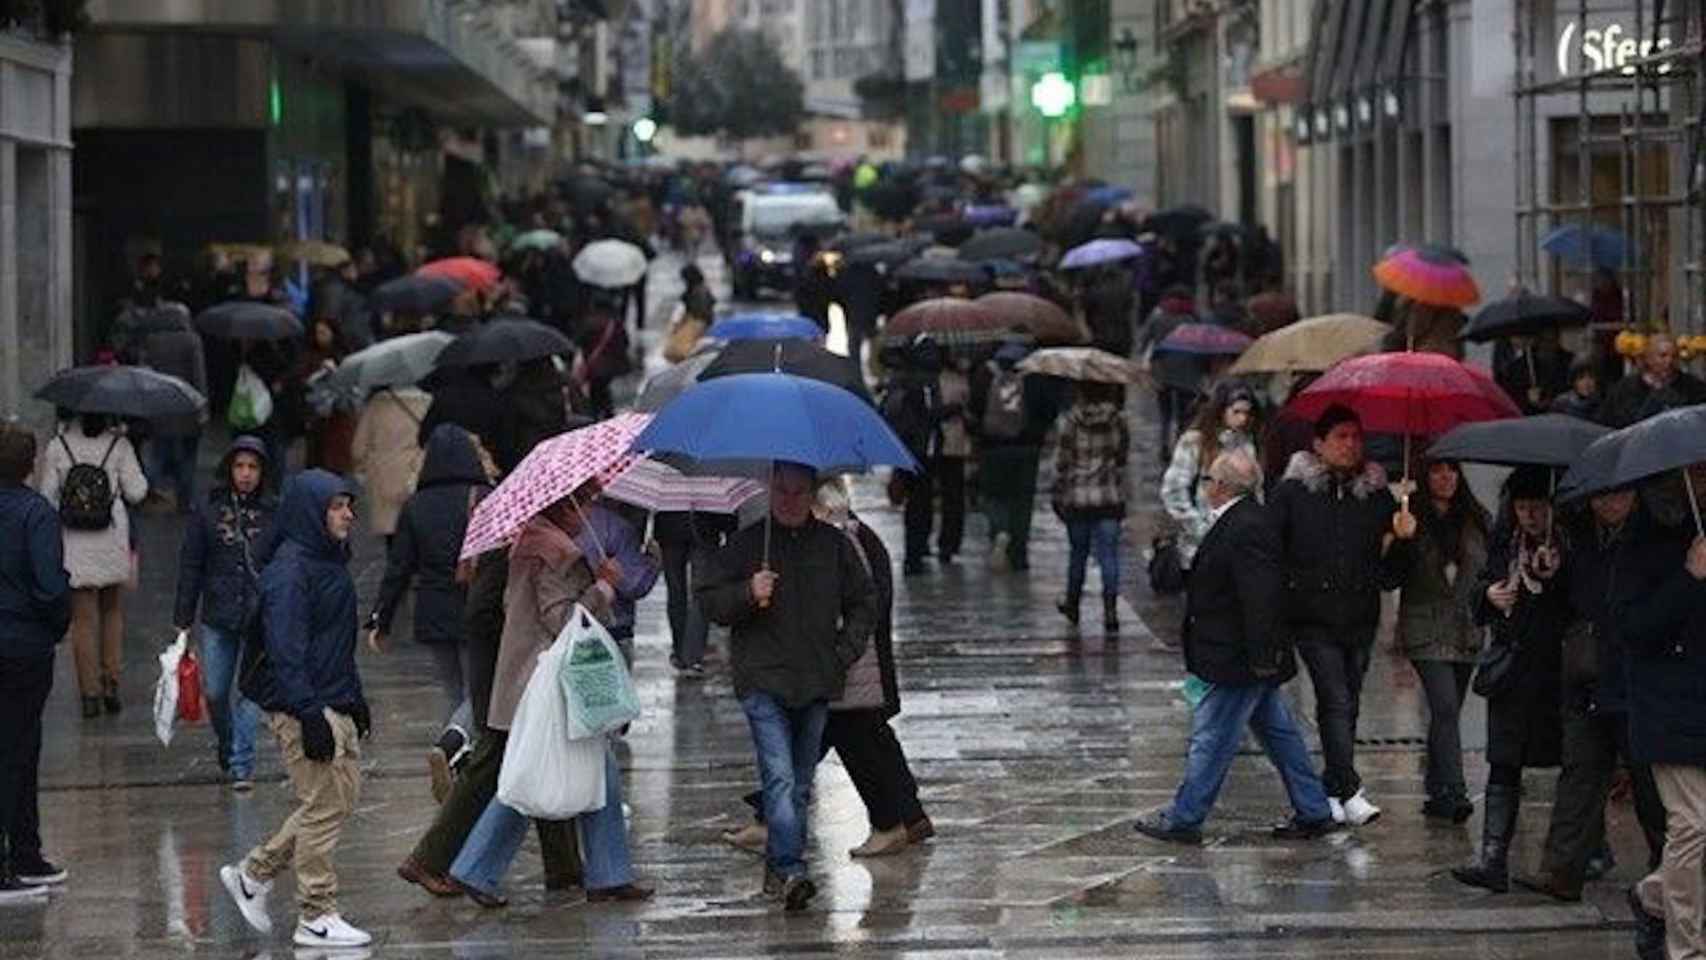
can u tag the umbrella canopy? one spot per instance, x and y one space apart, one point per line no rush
248 320
1001 243
504 340
1205 339
1084 364
1310 346
669 384
468 271
886 254
1180 221
611 264
802 358
1525 315
552 470
1547 440
764 326
731 423
390 363
1673 440
1108 195
122 391
317 253
849 242
537 240
1587 246
415 294
948 228
1097 252
942 315
942 270
1428 275
1408 393
1043 318
989 215
658 487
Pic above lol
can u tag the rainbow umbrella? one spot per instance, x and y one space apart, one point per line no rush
1205 339
1430 275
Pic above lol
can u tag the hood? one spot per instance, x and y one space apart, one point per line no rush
451 458
1306 468
1009 354
301 515
244 443
1095 415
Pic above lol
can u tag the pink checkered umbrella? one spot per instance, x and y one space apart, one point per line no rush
554 469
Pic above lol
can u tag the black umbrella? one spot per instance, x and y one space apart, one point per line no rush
947 228
1524 315
942 270
1180 221
504 340
800 357
415 294
1548 440
248 320
1673 440
122 391
848 242
887 253
1001 243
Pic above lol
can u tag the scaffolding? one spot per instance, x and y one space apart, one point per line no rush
1622 84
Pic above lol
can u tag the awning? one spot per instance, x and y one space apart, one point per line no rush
1356 68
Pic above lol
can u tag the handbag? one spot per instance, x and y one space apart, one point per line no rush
1166 569
1495 668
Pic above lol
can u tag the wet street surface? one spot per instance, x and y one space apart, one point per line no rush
1035 748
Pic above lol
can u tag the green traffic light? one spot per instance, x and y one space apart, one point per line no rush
1053 94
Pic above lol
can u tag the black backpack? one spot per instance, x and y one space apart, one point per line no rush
86 496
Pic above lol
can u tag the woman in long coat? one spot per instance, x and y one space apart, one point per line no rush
387 449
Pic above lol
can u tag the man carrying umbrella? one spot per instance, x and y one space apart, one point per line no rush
790 651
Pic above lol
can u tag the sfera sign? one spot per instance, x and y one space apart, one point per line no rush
1610 47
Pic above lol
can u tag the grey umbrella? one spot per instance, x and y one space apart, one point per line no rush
1548 440
122 391
248 320
671 383
1673 440
390 363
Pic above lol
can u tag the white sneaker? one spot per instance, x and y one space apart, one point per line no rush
249 894
1338 809
1359 811
330 930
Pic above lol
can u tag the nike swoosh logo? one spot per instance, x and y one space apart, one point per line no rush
244 886
318 933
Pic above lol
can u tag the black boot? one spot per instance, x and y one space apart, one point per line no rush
1489 871
1068 607
1111 614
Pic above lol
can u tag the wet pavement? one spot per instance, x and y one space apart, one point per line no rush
1034 747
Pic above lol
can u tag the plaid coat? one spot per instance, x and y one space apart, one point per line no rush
1089 462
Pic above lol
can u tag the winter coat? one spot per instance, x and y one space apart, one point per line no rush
35 593
1604 571
1574 404
176 352
428 541
548 576
1665 631
819 621
467 399
1331 531
1044 398
217 564
1551 370
606 535
308 608
1235 602
1089 462
871 681
1184 486
1524 725
96 558
386 451
1436 611
1632 399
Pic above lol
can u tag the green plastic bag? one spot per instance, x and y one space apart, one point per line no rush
251 401
595 680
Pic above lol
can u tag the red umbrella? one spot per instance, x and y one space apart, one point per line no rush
1045 320
468 271
941 315
1422 394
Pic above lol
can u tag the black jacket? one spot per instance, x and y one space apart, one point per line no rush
1665 629
221 556
1234 629
1631 399
35 593
823 612
1524 726
428 540
483 625
1604 572
1330 532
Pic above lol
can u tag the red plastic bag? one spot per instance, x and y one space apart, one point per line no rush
189 689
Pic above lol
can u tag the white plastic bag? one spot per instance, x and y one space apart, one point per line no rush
251 401
600 692
166 688
545 774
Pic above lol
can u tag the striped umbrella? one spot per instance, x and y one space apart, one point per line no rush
658 487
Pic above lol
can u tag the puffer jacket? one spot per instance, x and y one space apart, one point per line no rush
1331 529
35 594
96 558
218 565
871 681
308 609
1436 613
428 541
1089 462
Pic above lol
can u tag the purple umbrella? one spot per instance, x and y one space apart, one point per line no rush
1097 252
1205 339
989 215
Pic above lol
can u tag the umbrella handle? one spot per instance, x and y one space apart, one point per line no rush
1693 502
588 527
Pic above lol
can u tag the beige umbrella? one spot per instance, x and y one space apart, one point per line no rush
1310 345
316 253
1082 363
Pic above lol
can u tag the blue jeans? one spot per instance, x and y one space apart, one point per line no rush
1101 537
789 741
171 464
235 719
496 838
1216 732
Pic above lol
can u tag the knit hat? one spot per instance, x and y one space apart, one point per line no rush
1331 417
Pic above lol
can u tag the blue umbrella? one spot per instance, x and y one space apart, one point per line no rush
1097 252
1587 246
737 421
1109 196
765 326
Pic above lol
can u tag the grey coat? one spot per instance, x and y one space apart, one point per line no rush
1436 614
177 352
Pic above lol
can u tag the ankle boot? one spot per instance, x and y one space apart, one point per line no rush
1111 614
1490 871
1068 607
91 707
109 696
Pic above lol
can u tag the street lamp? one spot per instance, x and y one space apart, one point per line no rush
1125 59
645 129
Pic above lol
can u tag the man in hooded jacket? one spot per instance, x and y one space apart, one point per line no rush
303 674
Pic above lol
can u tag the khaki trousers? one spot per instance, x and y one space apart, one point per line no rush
325 796
1677 889
97 635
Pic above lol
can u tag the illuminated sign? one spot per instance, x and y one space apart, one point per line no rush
1605 48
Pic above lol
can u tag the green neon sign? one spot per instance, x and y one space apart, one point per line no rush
1053 94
